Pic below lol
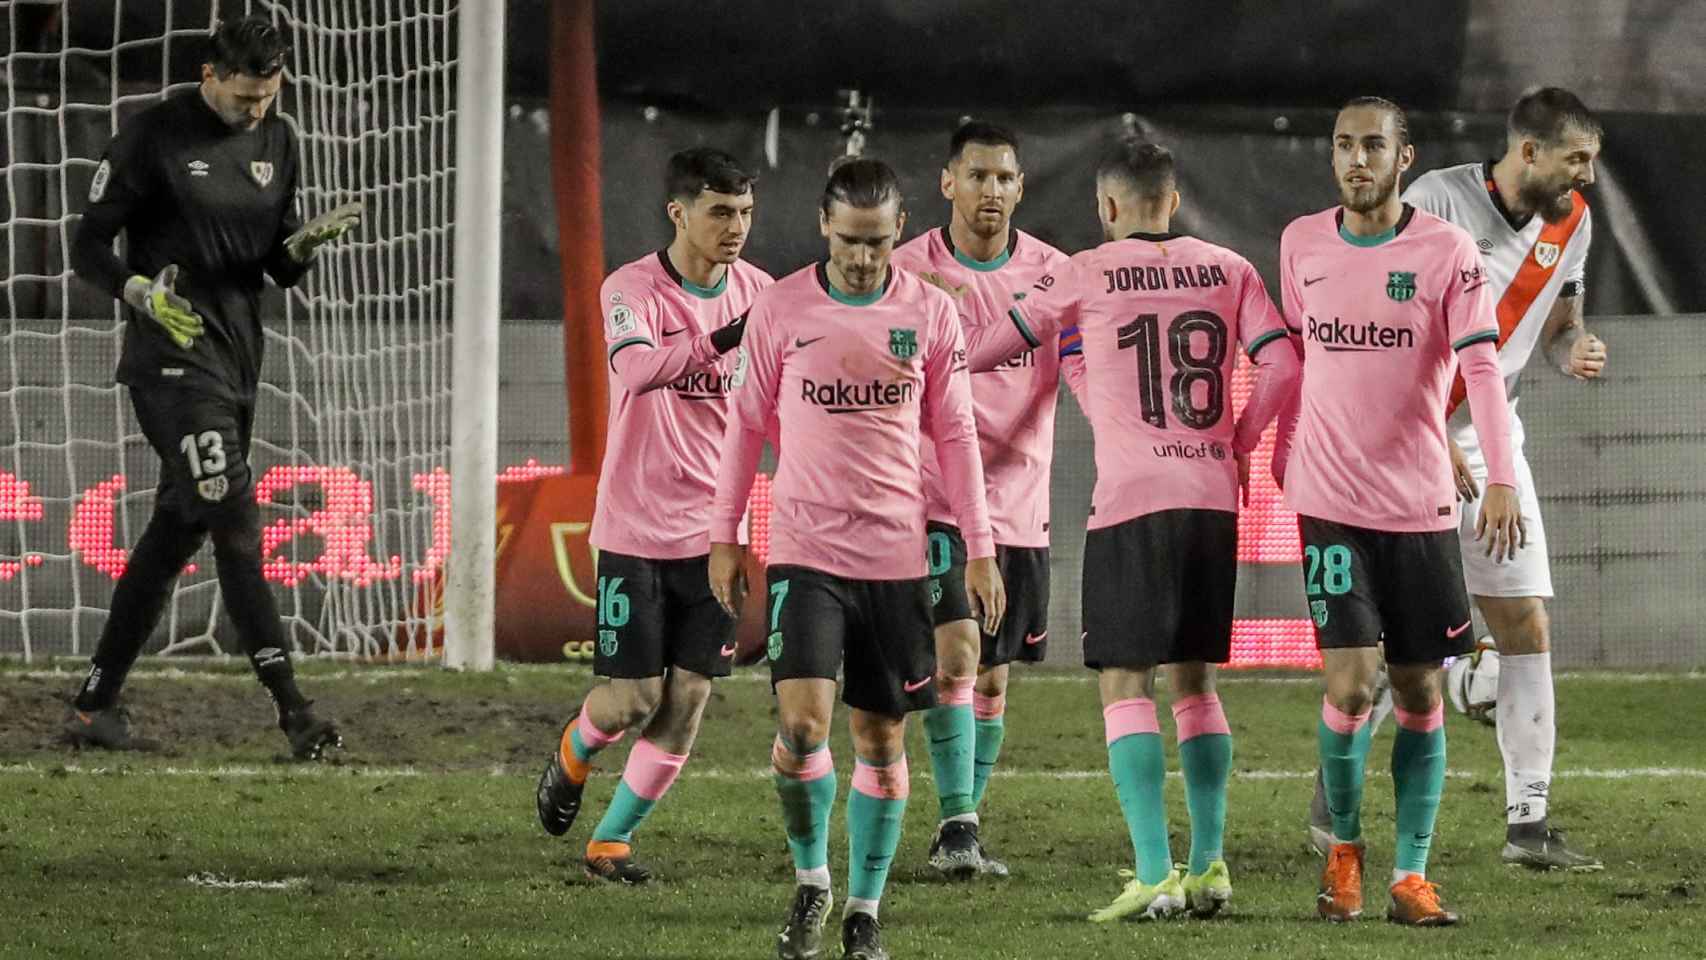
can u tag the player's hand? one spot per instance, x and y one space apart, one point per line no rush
322 230
1587 358
728 576
1500 523
1467 489
941 283
987 593
160 301
1243 461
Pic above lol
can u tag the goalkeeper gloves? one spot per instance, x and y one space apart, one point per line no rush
321 230
164 306
727 337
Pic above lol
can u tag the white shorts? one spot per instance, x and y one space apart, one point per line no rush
1529 574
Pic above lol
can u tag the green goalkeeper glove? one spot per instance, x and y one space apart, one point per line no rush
322 230
161 303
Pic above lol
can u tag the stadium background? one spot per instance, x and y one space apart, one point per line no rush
1244 95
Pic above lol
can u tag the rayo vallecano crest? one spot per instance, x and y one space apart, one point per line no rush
261 171
1546 254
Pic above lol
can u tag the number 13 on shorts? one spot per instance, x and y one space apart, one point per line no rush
205 451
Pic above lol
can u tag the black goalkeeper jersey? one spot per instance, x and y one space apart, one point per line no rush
186 188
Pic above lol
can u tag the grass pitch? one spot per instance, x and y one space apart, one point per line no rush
422 841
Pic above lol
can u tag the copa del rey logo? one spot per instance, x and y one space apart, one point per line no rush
1546 254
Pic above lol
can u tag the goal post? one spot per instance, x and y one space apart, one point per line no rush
470 588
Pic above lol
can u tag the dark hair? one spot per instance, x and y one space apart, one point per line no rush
1547 113
1146 168
694 171
1400 119
977 131
250 45
860 182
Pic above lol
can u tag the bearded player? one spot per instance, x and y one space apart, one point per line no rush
671 320
1533 229
988 265
1387 300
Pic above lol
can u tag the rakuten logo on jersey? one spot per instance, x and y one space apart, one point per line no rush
703 385
840 396
1336 334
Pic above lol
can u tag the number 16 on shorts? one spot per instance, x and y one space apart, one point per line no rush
613 610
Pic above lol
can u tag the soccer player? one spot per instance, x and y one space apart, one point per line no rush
1533 229
1386 300
203 186
671 320
989 265
855 360
1161 315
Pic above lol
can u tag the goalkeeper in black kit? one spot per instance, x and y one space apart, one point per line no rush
203 185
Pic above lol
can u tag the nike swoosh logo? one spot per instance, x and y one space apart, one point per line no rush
1454 634
1035 638
1310 281
915 685
671 333
800 344
728 650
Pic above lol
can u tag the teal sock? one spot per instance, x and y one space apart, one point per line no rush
1139 770
805 815
1418 779
1207 760
1342 758
627 809
953 738
583 753
873 833
990 733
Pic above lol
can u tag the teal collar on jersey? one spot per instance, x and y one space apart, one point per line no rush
1379 238
703 293
1154 237
851 300
982 265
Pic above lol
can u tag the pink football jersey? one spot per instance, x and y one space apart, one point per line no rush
853 383
1383 320
1162 317
1015 401
668 405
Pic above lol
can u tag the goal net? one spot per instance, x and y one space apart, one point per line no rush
351 439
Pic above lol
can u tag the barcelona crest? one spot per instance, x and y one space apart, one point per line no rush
1318 610
903 342
1400 285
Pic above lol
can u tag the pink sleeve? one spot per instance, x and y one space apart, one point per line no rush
1292 402
1072 370
1028 325
1277 376
643 367
949 420
1489 409
752 416
1265 343
1472 323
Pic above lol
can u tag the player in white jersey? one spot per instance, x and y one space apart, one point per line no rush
1533 230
